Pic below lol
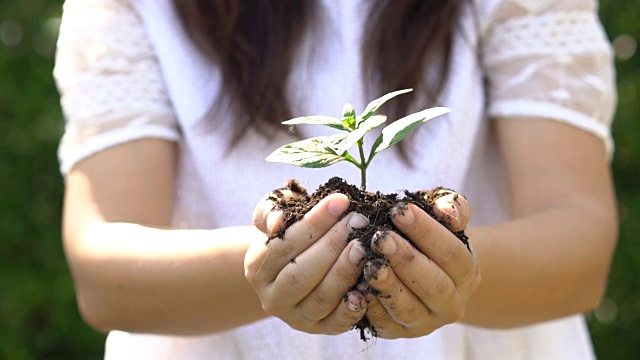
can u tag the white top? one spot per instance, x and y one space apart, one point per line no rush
126 71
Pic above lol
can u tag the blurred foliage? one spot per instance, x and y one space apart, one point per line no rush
38 315
615 325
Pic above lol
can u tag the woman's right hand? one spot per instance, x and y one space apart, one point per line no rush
305 278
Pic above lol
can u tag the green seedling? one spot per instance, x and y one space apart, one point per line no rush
322 151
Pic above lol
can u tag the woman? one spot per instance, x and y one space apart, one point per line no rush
163 168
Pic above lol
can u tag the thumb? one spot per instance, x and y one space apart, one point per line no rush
266 216
453 210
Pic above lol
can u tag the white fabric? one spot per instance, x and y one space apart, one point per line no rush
126 70
109 79
550 59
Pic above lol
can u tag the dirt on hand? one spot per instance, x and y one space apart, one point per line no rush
374 205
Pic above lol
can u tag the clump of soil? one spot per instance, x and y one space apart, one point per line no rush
375 206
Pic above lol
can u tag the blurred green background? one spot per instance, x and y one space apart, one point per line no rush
38 315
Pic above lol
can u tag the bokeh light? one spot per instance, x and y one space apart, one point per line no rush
11 33
625 46
607 311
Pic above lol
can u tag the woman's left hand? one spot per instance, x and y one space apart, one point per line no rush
425 287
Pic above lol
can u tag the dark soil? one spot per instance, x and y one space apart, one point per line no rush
375 206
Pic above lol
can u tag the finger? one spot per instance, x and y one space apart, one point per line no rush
424 278
382 324
265 218
400 302
437 243
350 310
319 219
342 276
270 258
305 272
453 210
254 260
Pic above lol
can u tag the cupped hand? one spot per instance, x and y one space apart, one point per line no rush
305 278
425 287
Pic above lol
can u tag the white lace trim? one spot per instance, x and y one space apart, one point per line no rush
70 154
551 60
572 32
108 74
109 79
100 70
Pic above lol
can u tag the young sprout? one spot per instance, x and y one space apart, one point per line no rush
322 151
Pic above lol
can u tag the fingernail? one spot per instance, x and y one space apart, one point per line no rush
446 211
358 221
355 301
372 270
272 220
337 207
403 214
356 254
451 210
382 274
383 243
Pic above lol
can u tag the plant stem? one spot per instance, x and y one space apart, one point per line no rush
363 167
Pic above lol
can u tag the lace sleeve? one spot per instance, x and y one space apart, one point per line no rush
551 59
110 83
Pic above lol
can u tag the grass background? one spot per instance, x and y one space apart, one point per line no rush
38 315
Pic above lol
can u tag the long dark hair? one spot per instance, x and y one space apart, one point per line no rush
254 41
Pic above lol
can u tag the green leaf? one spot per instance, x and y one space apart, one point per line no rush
349 116
397 130
317 120
360 132
314 152
373 106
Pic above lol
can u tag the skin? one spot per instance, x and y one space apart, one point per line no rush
308 292
133 273
551 259
435 276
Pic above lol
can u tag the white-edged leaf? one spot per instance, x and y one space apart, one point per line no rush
365 126
397 130
334 142
349 116
373 122
373 106
316 120
314 152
